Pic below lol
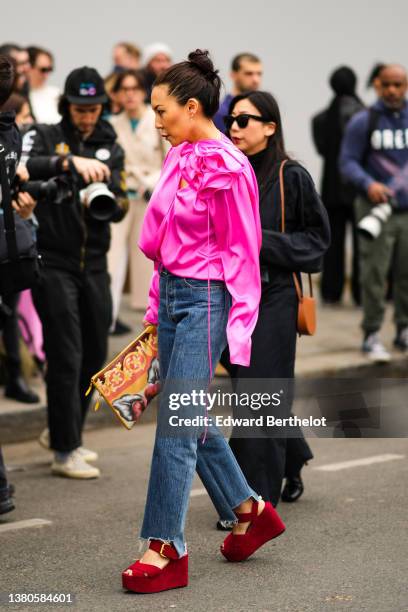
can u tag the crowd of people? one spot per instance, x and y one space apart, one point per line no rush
226 222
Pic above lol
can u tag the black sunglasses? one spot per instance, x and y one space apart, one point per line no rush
46 69
242 120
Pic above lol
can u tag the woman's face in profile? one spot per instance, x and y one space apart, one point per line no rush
172 119
254 137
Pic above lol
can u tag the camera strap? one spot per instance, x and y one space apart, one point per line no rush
9 224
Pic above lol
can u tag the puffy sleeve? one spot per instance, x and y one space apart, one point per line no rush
152 311
234 213
148 245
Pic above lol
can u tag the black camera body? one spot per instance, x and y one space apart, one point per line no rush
57 189
65 188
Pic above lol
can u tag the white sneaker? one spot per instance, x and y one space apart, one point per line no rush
86 453
74 467
374 349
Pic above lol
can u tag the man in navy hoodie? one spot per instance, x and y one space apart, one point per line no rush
374 158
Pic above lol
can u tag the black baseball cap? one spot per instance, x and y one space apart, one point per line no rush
85 86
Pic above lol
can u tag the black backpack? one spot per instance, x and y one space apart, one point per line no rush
319 130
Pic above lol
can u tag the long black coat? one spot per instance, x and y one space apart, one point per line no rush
266 460
307 230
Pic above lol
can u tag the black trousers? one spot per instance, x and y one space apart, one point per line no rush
265 461
11 336
75 311
333 276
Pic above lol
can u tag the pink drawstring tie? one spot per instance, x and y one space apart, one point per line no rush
208 319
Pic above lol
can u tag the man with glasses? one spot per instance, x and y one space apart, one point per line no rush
246 75
43 97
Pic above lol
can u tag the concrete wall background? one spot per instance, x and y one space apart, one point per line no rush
300 42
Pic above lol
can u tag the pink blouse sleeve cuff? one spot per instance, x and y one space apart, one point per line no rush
240 352
151 316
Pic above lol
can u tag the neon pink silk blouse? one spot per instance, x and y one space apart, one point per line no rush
208 229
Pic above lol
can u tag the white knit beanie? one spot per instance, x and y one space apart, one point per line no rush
154 49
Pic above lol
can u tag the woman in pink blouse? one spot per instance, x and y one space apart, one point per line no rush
202 230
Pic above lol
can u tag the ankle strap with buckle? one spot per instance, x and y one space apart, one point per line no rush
165 550
248 517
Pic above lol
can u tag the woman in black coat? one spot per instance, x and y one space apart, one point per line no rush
255 127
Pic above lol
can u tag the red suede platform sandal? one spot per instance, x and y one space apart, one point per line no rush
146 578
264 527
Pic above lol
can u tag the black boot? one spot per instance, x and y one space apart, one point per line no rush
18 389
225 525
120 328
6 501
293 488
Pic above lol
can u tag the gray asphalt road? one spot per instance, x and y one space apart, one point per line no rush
345 547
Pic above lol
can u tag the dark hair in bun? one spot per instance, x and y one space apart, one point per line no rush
194 78
203 62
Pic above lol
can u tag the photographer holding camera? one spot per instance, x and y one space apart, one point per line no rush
86 192
13 236
374 158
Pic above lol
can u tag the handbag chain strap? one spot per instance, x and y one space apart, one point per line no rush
282 199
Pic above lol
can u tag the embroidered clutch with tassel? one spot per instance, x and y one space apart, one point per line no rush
131 380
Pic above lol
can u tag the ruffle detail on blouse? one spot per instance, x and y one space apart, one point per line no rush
210 165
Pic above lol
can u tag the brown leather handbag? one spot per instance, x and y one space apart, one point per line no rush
306 320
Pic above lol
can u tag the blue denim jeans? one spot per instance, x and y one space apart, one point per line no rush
184 364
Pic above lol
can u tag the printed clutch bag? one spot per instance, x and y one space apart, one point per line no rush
130 381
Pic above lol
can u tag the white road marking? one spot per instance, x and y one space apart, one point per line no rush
198 492
344 465
24 524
